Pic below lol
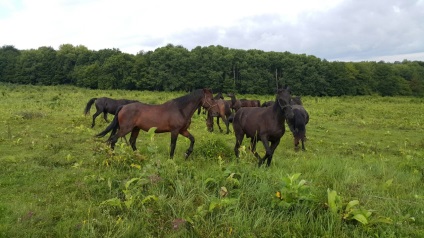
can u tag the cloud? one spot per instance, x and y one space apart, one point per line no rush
329 29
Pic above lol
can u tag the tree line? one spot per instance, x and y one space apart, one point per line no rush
175 68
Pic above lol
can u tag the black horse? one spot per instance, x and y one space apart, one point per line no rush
173 116
105 105
263 123
297 124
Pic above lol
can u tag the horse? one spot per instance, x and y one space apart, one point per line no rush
236 104
221 109
267 104
297 124
173 116
105 105
263 123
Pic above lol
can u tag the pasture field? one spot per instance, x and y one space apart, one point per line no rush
362 174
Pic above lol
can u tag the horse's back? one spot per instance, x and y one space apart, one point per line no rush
249 120
300 113
146 116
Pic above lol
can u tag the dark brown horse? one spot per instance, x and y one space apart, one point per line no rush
263 123
236 104
172 116
105 105
297 124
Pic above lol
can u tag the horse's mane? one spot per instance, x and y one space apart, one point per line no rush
186 99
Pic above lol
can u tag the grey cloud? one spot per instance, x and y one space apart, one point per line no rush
354 30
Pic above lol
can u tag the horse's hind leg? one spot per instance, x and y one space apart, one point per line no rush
174 137
303 143
105 116
253 148
191 138
239 140
227 124
217 122
133 138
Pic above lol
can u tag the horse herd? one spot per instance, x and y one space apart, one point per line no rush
265 123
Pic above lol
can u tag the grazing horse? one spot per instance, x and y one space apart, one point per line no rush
172 116
263 123
297 124
221 109
105 105
236 104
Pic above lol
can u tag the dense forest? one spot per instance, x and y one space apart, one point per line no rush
175 68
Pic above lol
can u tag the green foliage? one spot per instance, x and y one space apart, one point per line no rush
293 192
352 212
174 68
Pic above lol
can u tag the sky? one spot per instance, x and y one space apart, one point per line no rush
335 30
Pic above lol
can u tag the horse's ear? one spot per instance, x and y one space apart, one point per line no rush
286 87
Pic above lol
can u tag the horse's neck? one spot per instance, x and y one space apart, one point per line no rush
191 107
278 112
233 99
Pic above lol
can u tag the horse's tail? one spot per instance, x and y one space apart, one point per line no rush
89 104
299 124
231 117
113 126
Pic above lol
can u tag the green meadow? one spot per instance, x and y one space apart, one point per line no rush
362 173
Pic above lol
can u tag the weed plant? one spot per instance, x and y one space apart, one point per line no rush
361 176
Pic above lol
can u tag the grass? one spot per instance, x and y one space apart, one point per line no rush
57 180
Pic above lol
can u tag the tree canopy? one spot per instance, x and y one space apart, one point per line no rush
174 68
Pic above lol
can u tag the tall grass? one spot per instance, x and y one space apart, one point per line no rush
57 180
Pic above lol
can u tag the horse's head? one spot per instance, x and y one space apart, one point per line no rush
218 96
296 101
283 99
207 100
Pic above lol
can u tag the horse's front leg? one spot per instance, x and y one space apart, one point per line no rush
268 152
191 138
274 145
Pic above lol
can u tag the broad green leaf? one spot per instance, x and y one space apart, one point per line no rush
351 204
114 202
332 197
361 218
149 198
127 184
295 176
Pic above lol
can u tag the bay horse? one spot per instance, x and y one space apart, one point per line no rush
173 116
263 123
105 105
221 109
267 104
297 124
236 104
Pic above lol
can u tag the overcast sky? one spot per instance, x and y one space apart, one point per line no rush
343 30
